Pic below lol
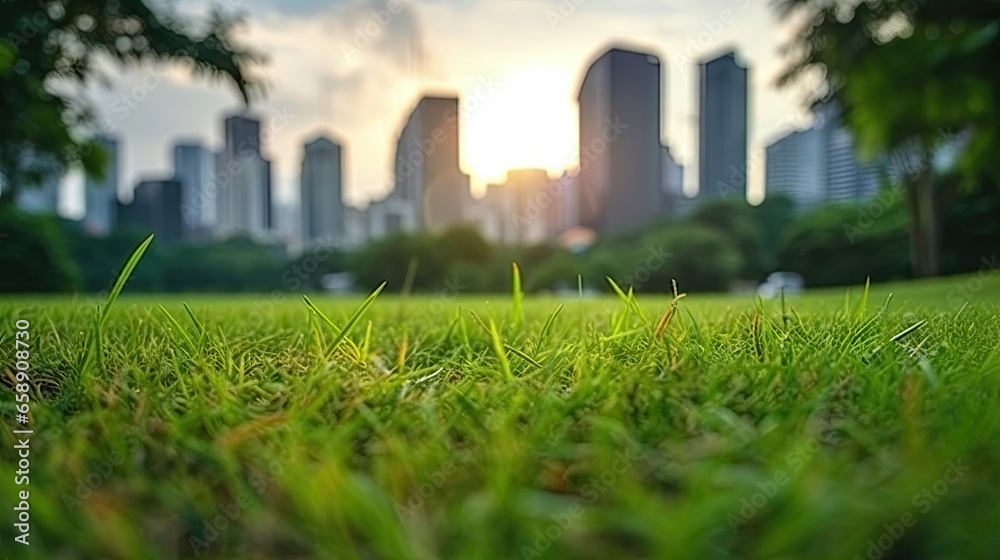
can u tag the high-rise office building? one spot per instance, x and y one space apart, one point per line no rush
244 181
155 208
427 170
675 202
429 192
820 164
101 194
847 177
194 168
321 182
796 167
722 128
620 150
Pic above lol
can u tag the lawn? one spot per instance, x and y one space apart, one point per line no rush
831 425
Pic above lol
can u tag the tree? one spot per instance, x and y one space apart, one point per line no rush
814 245
34 256
46 46
737 221
912 76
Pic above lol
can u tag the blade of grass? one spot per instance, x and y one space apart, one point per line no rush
498 348
96 346
523 356
337 331
757 328
614 286
123 276
197 323
664 321
549 322
517 295
634 303
864 297
628 299
479 320
367 343
354 319
907 331
180 329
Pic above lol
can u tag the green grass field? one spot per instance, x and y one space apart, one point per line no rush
824 427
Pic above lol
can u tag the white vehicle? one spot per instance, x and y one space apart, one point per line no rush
788 282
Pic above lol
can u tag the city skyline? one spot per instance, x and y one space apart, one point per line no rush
625 173
331 93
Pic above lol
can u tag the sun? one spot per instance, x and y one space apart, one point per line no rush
529 120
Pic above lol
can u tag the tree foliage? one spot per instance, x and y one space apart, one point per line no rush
912 77
48 47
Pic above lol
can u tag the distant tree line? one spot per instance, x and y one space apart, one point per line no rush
717 246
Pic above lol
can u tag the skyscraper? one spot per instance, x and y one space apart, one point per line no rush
427 171
244 180
194 168
101 195
722 128
820 165
155 208
620 151
676 203
796 167
847 177
430 192
322 215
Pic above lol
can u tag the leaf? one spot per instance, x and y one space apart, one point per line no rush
123 276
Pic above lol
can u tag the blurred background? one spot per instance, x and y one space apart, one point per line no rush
302 146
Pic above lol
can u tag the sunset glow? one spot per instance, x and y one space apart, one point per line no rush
529 120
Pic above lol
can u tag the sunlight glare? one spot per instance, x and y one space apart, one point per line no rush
529 121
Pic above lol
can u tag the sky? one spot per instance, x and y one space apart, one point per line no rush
354 69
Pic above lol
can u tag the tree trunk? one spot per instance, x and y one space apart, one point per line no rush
923 223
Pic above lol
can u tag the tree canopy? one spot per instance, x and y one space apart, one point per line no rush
912 77
46 47
904 70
